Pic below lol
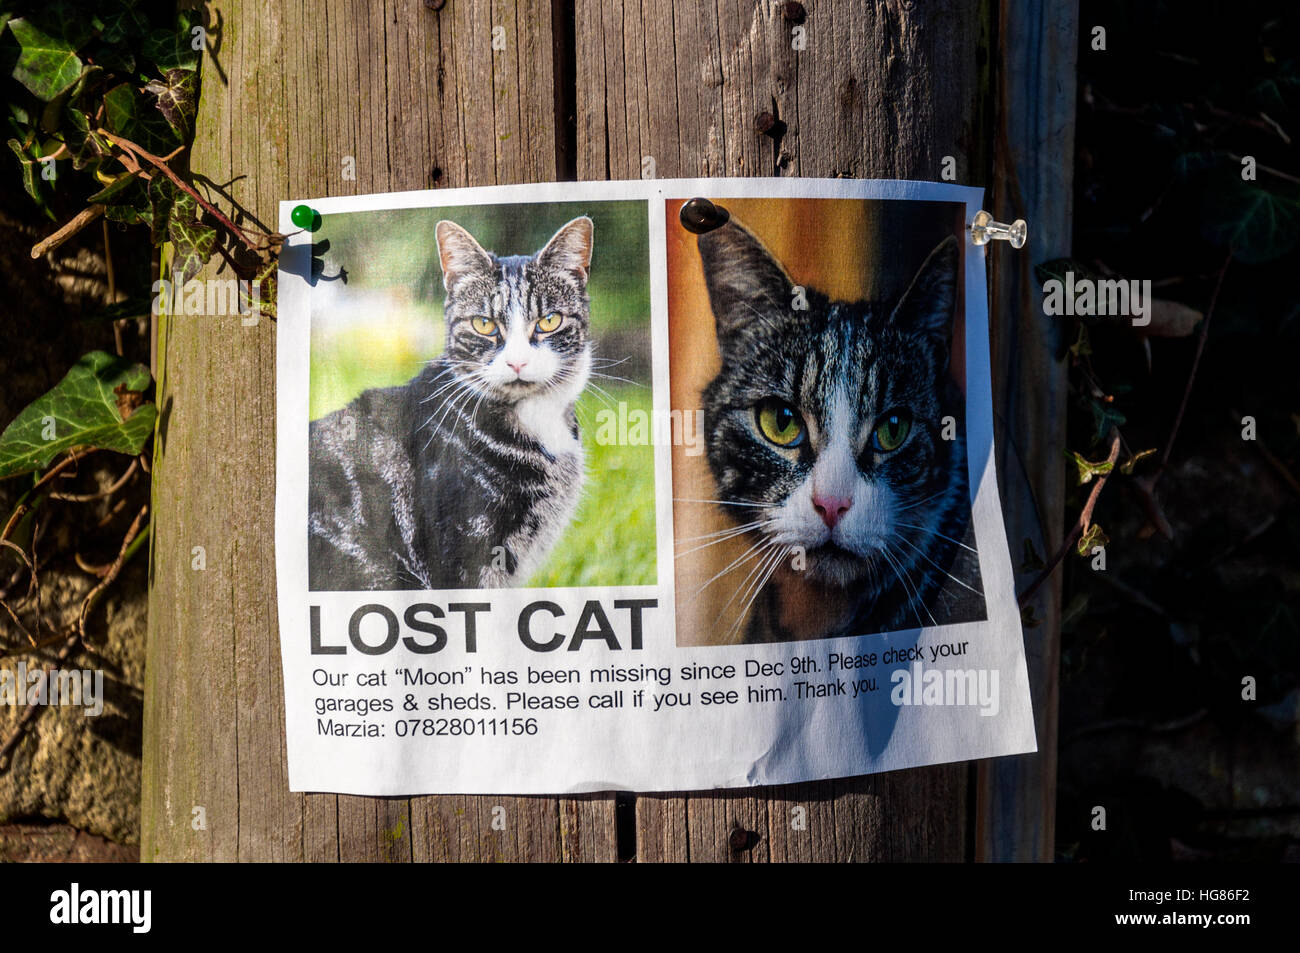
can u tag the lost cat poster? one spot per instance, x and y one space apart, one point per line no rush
656 485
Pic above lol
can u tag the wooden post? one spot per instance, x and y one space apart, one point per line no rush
1033 178
420 99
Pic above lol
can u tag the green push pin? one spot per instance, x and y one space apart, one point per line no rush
305 217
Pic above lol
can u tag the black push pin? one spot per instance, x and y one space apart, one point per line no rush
701 216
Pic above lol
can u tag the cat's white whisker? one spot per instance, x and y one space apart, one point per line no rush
446 407
920 552
454 404
913 596
611 377
679 499
768 567
922 529
722 532
722 539
455 379
473 414
932 496
606 397
742 558
754 572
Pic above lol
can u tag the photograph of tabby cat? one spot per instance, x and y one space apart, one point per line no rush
466 476
826 442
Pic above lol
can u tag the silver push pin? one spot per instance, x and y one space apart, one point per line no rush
984 230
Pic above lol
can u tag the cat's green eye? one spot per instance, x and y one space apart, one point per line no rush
780 423
483 325
891 431
549 323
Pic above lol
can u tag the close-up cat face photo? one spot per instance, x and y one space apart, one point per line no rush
836 498
825 423
518 326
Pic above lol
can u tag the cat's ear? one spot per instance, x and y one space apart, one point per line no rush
744 280
926 308
459 254
570 248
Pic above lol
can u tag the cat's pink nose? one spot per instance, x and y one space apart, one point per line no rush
831 508
517 368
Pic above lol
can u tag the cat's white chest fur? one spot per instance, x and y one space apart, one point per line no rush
545 417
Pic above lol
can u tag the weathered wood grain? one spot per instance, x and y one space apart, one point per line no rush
880 90
1033 179
418 99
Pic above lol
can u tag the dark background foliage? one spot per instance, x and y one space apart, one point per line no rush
1153 724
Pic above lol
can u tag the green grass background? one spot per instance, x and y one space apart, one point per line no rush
380 328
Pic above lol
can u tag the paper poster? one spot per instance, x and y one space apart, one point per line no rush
659 485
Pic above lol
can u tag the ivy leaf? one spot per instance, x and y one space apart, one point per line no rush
176 98
118 59
173 49
1104 416
122 22
1087 469
127 115
267 282
88 75
1093 537
161 196
130 205
19 118
192 241
114 189
1128 465
1258 225
138 307
30 162
85 145
47 60
82 411
194 244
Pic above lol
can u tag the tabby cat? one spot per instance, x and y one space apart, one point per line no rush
466 476
825 437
